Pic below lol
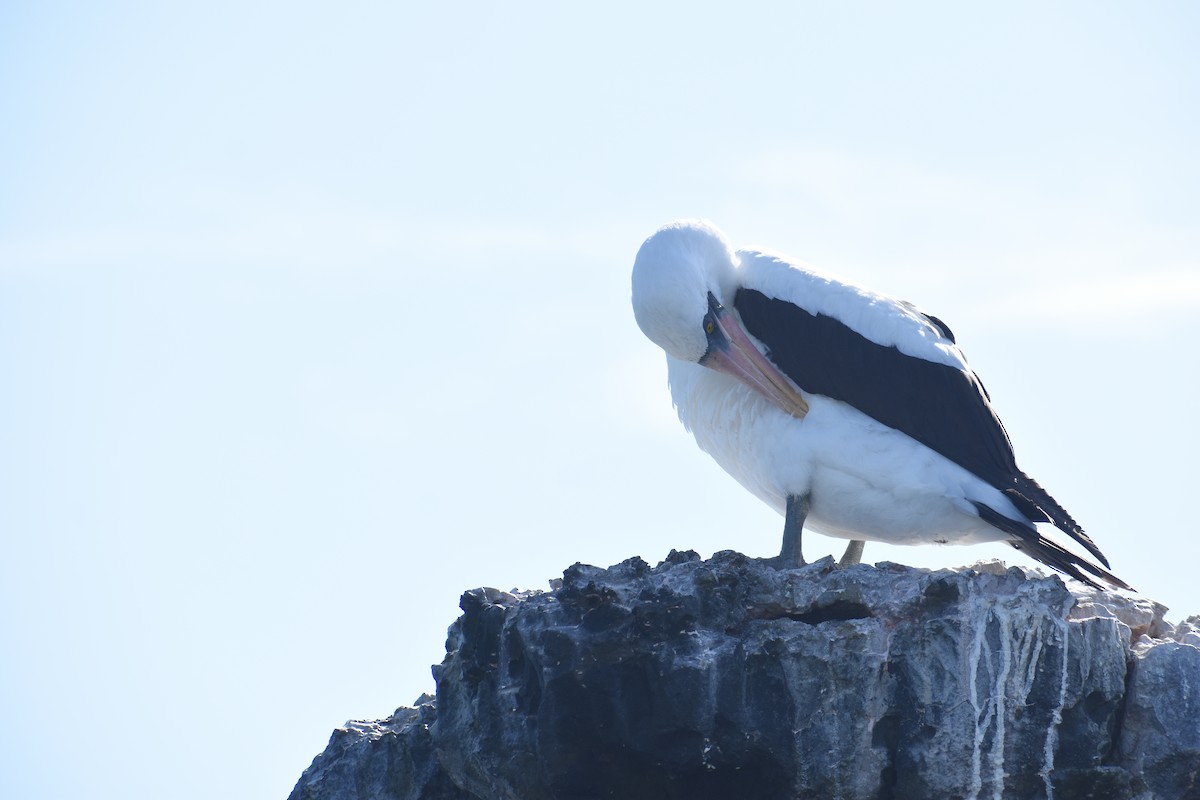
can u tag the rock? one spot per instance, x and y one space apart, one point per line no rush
726 678
392 759
1160 739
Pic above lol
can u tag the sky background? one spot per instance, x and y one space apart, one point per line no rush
314 315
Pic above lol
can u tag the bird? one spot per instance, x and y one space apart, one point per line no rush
847 411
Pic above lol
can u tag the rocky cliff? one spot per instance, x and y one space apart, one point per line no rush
726 678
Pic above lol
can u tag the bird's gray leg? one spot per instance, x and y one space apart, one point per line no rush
793 522
853 553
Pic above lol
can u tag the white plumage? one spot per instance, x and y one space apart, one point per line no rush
866 480
849 412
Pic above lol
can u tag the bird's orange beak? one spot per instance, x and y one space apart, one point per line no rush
733 352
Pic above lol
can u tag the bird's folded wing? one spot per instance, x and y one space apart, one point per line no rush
940 405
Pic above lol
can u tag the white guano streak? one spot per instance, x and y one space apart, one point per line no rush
1011 672
1064 631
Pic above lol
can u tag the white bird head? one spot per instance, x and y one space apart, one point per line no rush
685 280
674 272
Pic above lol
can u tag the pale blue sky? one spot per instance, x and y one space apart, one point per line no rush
314 316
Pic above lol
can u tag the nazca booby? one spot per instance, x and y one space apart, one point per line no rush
845 410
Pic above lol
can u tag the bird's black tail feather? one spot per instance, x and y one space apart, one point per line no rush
1028 540
1032 492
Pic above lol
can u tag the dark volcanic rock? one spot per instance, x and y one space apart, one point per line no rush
727 678
392 759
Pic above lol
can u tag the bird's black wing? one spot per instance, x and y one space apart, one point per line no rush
943 407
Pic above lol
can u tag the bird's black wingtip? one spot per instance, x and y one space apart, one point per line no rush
1027 539
1032 492
1066 562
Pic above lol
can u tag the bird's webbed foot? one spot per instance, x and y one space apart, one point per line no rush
790 556
783 562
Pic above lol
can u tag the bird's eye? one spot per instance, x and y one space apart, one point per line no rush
709 325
